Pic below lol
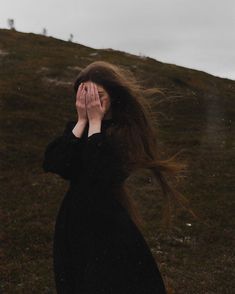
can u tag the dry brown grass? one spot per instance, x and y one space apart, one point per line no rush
36 99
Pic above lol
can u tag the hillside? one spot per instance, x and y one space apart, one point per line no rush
36 99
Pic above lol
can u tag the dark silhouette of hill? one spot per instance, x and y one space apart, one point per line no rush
196 114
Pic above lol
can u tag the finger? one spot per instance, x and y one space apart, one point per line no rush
80 87
79 91
92 91
89 94
95 91
87 98
82 91
83 96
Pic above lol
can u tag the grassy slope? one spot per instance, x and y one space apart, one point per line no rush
36 99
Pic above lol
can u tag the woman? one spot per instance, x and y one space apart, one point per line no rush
98 245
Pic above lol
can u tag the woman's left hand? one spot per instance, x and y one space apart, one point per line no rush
95 110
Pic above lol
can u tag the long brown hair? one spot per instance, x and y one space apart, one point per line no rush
136 132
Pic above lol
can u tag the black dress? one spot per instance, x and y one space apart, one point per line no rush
97 248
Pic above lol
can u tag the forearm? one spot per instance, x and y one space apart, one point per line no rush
79 128
94 127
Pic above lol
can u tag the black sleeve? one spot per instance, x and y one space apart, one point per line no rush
102 162
63 154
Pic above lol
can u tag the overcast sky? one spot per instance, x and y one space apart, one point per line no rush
196 34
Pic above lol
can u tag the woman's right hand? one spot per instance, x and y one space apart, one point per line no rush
81 103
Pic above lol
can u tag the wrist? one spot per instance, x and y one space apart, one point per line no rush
79 128
82 121
94 127
95 122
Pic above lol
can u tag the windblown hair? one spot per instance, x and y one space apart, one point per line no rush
135 131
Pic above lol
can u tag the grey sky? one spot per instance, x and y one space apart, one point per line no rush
195 34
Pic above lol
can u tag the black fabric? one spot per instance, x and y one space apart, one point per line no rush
96 247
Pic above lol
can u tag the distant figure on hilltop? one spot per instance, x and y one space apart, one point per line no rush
11 24
70 38
44 31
